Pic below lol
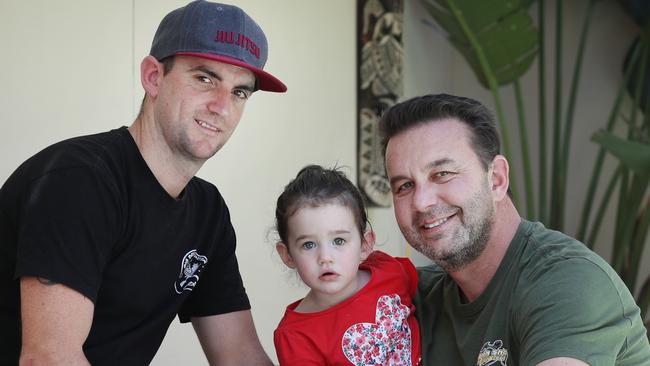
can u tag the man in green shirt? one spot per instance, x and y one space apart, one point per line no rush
503 290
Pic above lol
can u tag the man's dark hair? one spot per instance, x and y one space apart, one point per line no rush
434 107
168 64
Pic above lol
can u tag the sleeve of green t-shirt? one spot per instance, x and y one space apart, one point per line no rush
575 309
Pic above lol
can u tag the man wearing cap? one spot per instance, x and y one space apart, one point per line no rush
105 238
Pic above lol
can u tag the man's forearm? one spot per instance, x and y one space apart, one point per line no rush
230 339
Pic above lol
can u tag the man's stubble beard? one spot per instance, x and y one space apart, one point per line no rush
467 242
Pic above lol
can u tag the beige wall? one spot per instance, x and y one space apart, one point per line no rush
71 67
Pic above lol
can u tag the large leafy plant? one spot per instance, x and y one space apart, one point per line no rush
499 40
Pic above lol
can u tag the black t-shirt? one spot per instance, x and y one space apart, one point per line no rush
88 213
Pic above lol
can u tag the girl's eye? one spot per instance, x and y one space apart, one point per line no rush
339 241
309 245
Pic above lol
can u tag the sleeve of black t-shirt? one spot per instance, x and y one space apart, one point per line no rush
68 224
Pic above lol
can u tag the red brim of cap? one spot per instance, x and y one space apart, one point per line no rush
265 81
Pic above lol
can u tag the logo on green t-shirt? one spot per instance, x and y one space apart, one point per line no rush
492 353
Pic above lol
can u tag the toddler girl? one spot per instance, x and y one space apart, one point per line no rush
359 308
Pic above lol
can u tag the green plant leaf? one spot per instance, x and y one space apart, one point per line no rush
634 155
503 28
640 234
636 79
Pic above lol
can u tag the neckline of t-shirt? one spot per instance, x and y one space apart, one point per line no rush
173 202
524 229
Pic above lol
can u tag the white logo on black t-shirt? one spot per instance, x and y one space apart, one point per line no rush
191 267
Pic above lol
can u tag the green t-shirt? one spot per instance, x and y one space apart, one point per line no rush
550 297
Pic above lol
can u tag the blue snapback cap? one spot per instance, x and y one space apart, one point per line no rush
219 32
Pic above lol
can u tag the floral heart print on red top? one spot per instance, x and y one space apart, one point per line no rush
385 342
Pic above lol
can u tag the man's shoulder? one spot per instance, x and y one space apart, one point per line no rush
546 251
91 155
562 291
89 147
552 262
89 150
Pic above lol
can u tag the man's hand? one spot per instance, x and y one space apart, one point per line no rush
56 321
230 339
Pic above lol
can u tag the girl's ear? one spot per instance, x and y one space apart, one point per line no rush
283 251
368 244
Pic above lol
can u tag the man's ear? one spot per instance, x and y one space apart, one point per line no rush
151 72
283 251
499 178
368 244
